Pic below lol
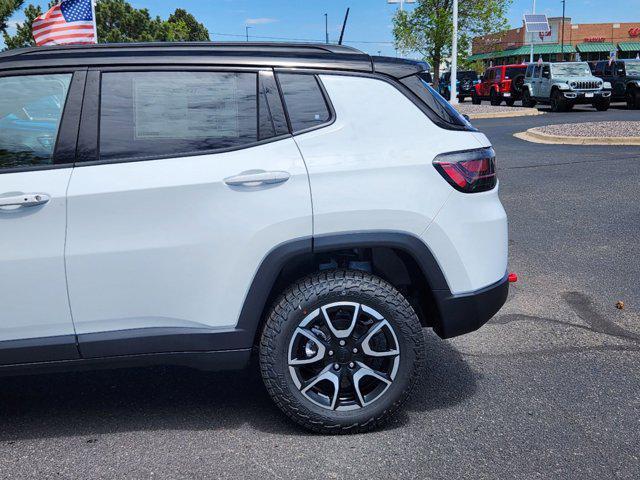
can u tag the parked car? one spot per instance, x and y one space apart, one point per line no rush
498 84
624 77
466 81
171 221
563 85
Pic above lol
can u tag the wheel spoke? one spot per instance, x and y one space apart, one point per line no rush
325 375
319 355
362 372
341 333
377 328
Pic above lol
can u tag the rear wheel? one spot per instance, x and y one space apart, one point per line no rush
495 98
475 99
510 102
633 98
340 351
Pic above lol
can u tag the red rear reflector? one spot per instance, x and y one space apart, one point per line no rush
513 278
470 171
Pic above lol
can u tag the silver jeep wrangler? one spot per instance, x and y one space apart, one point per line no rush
563 85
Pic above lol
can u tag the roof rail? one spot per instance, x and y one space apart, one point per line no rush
261 46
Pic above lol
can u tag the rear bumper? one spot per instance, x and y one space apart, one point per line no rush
460 314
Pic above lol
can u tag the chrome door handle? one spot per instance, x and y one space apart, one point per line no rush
25 200
257 178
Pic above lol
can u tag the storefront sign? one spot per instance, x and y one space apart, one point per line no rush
594 39
634 32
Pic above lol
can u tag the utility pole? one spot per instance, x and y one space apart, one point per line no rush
454 56
531 54
326 28
246 29
562 36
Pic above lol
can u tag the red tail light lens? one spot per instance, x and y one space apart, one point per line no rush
470 171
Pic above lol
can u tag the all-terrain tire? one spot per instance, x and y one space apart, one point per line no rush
325 288
527 101
495 99
633 98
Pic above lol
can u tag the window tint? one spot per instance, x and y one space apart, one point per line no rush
152 114
30 112
443 109
513 72
306 105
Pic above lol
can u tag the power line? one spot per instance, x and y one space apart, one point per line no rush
381 42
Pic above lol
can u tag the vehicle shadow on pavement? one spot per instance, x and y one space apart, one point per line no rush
90 404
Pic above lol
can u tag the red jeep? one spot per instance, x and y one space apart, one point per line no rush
503 82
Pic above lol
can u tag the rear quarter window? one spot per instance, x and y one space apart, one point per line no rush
304 100
442 109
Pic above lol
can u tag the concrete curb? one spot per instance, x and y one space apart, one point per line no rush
537 137
515 113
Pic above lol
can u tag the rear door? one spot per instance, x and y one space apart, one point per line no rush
39 115
544 85
187 180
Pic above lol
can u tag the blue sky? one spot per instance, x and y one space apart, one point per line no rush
369 26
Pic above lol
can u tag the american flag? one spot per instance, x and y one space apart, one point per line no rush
71 21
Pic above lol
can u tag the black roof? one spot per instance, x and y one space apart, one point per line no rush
254 54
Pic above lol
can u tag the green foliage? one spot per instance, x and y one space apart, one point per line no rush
428 29
119 22
23 37
7 9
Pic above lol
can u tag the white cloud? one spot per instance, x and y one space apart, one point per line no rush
260 21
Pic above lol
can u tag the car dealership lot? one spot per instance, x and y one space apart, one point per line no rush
548 389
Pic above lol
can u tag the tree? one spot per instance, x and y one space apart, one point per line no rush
23 36
7 9
428 29
195 31
119 22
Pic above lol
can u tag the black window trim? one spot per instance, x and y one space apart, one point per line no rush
89 132
395 82
327 100
67 136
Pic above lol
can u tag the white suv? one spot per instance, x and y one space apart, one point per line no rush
191 203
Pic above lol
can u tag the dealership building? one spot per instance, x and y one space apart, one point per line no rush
584 41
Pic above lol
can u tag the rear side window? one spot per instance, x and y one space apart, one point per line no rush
305 102
154 114
438 105
30 113
514 72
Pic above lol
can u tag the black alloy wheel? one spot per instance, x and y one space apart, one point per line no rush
340 351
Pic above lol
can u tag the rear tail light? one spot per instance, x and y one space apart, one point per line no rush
470 171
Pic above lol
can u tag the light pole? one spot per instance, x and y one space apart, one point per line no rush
246 29
531 54
562 36
326 28
454 56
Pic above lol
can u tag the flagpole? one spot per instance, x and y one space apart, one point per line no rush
95 20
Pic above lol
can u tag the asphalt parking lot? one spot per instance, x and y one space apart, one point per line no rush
550 388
